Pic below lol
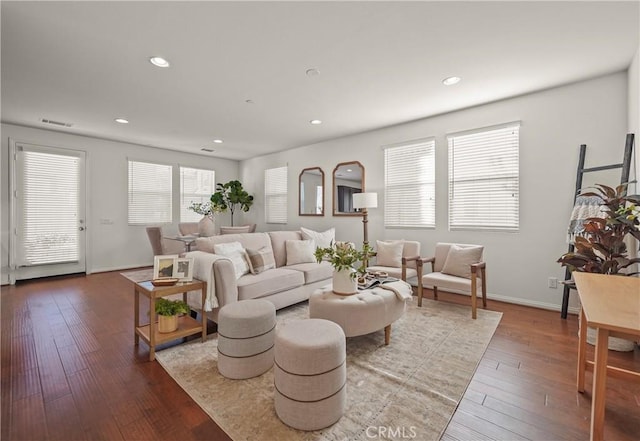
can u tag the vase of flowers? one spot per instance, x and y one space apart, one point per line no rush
343 256
206 225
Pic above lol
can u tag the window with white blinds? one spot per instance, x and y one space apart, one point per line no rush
409 184
49 209
484 179
196 185
275 195
149 193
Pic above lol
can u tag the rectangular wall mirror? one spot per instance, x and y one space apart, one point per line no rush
311 192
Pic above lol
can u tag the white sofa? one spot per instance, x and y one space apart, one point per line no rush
282 286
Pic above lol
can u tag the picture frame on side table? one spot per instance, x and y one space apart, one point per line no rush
164 266
183 269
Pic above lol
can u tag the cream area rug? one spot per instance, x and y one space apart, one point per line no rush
407 390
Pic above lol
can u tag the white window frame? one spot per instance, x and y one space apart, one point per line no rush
276 195
201 195
409 183
141 209
484 176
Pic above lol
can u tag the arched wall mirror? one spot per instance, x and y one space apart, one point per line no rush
311 192
348 178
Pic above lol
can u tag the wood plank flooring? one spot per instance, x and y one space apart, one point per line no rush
69 371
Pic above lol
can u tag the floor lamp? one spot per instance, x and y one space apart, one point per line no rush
364 201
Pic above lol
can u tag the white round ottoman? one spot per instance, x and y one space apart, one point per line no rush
246 332
310 373
362 313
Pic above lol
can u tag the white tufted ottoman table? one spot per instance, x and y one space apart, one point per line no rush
362 313
310 373
246 332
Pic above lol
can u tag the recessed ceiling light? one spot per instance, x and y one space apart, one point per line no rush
349 170
217 141
121 120
315 122
451 81
159 61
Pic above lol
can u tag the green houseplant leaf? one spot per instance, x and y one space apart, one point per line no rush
231 196
168 307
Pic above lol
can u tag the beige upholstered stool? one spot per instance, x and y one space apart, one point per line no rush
246 332
310 373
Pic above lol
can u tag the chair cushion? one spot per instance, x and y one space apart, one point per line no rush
389 253
235 252
322 240
459 260
260 260
300 251
447 281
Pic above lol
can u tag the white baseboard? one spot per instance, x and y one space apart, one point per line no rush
116 268
520 301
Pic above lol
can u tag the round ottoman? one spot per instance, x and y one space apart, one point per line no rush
362 313
246 332
310 373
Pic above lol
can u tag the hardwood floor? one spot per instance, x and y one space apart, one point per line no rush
70 371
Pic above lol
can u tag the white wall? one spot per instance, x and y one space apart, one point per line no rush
554 123
118 245
634 109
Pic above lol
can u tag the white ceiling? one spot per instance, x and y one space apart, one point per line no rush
381 63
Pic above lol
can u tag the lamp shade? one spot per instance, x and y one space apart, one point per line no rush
365 200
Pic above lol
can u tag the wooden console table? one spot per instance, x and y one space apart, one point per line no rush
611 305
186 325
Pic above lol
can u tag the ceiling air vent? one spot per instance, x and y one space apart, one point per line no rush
205 149
56 123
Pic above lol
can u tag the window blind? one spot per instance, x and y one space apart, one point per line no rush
275 195
409 185
196 185
484 179
149 193
49 208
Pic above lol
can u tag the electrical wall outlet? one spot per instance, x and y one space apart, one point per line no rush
553 282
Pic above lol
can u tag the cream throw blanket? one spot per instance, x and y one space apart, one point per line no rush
203 270
401 289
584 208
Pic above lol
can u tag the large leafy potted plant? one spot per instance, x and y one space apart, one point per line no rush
343 256
231 196
168 311
602 248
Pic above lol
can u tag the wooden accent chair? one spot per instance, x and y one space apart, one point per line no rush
456 267
402 265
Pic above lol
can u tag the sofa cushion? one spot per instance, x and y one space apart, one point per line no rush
322 240
300 251
235 252
389 253
254 241
260 260
252 286
278 239
313 272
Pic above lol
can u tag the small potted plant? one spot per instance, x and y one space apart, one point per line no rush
343 256
206 225
168 311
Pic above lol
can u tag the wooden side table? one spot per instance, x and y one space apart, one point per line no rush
186 325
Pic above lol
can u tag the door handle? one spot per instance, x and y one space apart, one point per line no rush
81 228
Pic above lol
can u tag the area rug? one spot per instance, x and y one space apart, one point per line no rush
407 390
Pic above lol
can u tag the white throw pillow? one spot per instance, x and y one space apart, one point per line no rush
322 240
300 251
459 260
235 252
389 253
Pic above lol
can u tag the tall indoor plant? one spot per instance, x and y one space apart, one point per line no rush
602 248
231 196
